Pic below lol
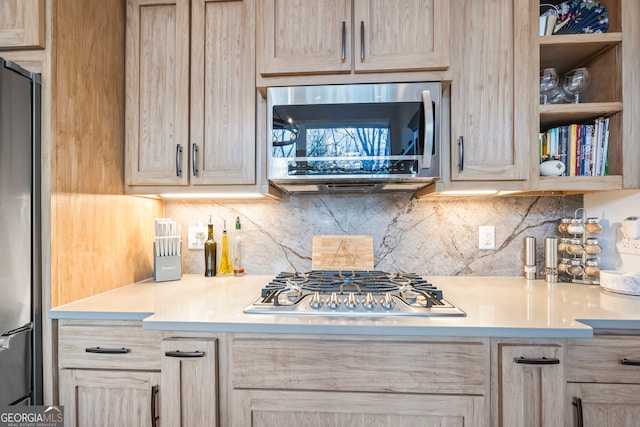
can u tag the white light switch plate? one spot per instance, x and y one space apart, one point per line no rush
197 237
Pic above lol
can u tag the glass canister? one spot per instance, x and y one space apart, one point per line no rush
592 247
564 244
563 227
575 268
593 226
563 265
576 226
575 247
592 267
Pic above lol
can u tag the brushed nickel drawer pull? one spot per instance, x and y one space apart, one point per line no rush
541 361
101 350
179 353
630 362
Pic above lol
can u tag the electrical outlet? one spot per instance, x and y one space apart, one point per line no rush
487 237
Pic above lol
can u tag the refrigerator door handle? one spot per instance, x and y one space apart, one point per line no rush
5 338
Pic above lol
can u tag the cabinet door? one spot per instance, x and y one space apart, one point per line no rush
319 409
21 24
223 92
530 390
604 405
489 136
189 382
157 92
401 35
302 36
108 398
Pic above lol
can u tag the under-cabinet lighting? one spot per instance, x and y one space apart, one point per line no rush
468 192
213 196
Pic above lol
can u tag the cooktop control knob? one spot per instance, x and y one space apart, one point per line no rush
316 301
333 302
369 301
351 302
387 301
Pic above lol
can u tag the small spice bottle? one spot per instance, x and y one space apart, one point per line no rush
592 267
563 227
592 247
576 226
564 244
563 265
575 268
575 247
593 226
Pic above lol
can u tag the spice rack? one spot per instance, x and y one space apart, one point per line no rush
579 249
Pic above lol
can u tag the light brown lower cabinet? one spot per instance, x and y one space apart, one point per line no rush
530 385
109 373
603 377
189 382
95 398
351 381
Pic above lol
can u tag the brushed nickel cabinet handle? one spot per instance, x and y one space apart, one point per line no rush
194 159
178 160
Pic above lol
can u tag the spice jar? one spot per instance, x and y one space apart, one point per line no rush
563 265
563 227
576 226
564 244
592 267
593 226
575 247
575 268
592 247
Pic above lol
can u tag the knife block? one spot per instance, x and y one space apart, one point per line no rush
166 268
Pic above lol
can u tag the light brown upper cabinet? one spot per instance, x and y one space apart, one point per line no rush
191 96
21 24
493 82
329 36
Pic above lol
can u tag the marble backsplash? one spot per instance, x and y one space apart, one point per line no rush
435 237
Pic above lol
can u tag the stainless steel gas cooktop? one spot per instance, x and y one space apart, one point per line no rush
352 293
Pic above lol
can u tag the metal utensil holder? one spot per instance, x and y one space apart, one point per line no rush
580 218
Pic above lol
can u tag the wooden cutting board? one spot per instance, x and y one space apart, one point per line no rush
342 252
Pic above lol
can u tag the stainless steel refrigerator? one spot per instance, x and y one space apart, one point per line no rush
20 247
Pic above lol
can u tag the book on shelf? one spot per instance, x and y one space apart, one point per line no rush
582 147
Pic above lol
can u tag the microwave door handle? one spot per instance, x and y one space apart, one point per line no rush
427 148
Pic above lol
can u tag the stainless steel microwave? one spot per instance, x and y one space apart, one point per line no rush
361 137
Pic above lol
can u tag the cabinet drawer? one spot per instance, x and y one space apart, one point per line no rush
601 360
122 345
360 365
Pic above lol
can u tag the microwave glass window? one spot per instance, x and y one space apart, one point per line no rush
335 130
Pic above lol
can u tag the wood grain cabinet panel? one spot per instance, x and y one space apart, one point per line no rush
190 94
22 24
298 37
603 377
189 382
530 385
489 102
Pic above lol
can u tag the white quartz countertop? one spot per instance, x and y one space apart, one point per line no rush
495 307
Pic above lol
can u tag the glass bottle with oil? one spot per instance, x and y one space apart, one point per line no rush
210 249
225 261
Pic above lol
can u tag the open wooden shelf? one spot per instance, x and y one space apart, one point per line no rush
568 51
556 114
